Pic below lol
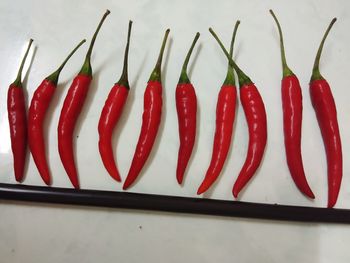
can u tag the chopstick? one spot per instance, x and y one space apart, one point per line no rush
111 199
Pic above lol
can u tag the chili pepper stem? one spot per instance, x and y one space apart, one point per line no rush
316 69
55 75
230 77
156 73
18 81
184 77
124 80
86 68
242 77
286 70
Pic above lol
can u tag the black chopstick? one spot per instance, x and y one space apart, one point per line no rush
165 203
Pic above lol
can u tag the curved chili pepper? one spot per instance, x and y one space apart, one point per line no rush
326 113
292 104
110 115
152 111
71 109
225 117
36 117
186 106
255 114
16 110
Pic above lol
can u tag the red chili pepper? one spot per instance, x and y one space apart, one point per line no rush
292 104
16 110
71 109
255 114
326 113
110 115
152 111
186 106
225 117
36 117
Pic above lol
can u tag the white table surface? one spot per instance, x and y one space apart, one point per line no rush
53 233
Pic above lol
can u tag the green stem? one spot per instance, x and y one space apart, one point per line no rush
18 81
184 77
156 73
230 77
124 80
242 77
55 75
316 69
86 68
286 70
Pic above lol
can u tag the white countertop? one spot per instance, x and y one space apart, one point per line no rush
54 233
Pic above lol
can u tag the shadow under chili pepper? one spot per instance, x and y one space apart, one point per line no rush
195 146
25 92
164 113
127 108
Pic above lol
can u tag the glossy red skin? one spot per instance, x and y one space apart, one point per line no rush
110 115
152 111
70 112
326 113
292 104
36 117
225 117
255 114
18 128
186 106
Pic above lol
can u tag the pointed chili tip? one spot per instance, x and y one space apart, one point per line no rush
116 177
331 203
235 192
202 188
76 185
19 180
127 183
308 192
311 195
47 181
200 191
179 181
